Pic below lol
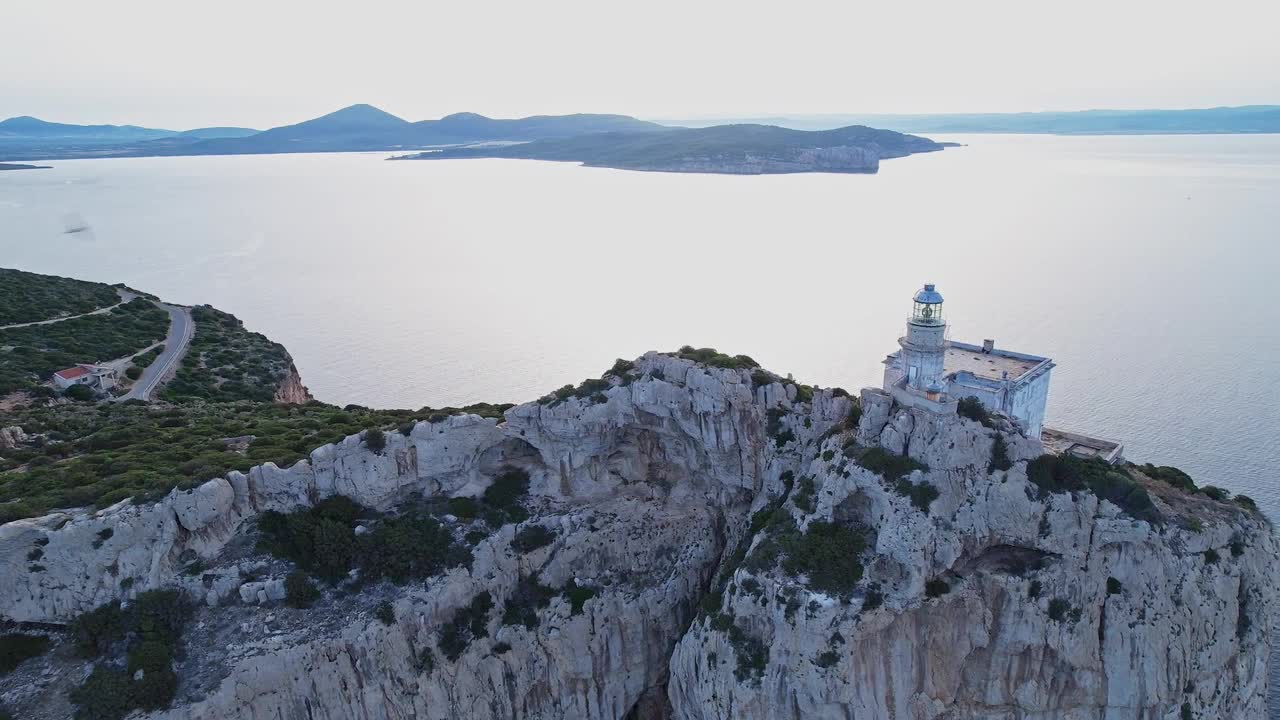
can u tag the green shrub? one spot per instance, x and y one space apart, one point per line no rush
1171 475
1058 609
107 694
1033 590
158 684
160 615
469 623
973 409
1185 713
17 647
578 595
1246 502
709 356
1113 586
1215 493
827 659
890 466
532 537
1065 473
524 602
93 632
804 498
507 494
299 591
501 648
936 587
1211 557
921 494
999 455
828 554
133 372
463 507
385 613
620 368
375 439
872 598
81 393
752 654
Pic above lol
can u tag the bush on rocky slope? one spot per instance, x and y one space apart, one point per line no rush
827 554
1065 473
710 356
17 647
146 636
322 540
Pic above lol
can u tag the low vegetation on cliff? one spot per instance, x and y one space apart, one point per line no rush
228 362
98 455
30 297
30 355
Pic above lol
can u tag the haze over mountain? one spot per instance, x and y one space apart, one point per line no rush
354 128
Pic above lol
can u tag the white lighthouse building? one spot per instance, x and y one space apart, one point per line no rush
929 370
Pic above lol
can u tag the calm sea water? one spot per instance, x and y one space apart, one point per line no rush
1145 266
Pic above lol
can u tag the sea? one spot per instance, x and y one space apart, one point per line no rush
1145 266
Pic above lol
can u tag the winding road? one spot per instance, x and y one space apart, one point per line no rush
181 329
125 296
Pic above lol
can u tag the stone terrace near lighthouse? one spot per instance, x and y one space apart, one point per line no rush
717 542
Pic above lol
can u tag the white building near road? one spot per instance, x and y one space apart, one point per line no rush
931 370
95 376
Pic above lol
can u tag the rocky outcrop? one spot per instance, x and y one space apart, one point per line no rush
11 437
291 391
1059 606
1062 607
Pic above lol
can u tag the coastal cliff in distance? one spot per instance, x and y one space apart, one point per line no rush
727 149
689 536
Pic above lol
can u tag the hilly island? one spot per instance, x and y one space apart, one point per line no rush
731 149
687 535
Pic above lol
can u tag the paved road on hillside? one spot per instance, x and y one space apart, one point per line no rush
181 328
125 296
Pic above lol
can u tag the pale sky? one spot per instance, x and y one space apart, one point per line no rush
264 63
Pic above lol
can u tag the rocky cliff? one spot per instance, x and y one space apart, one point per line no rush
692 501
291 391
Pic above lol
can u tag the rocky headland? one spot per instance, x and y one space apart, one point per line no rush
689 536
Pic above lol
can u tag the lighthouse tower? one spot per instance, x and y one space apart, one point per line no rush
924 347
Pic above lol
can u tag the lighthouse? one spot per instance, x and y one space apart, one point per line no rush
933 373
924 347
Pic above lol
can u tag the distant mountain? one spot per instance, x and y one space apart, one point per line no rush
353 128
1223 120
364 127
732 149
27 127
28 138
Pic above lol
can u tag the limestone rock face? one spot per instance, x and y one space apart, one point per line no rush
1062 607
1057 606
11 437
90 558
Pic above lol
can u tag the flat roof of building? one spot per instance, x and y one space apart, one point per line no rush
1063 442
993 365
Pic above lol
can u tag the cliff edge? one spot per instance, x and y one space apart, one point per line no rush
697 538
